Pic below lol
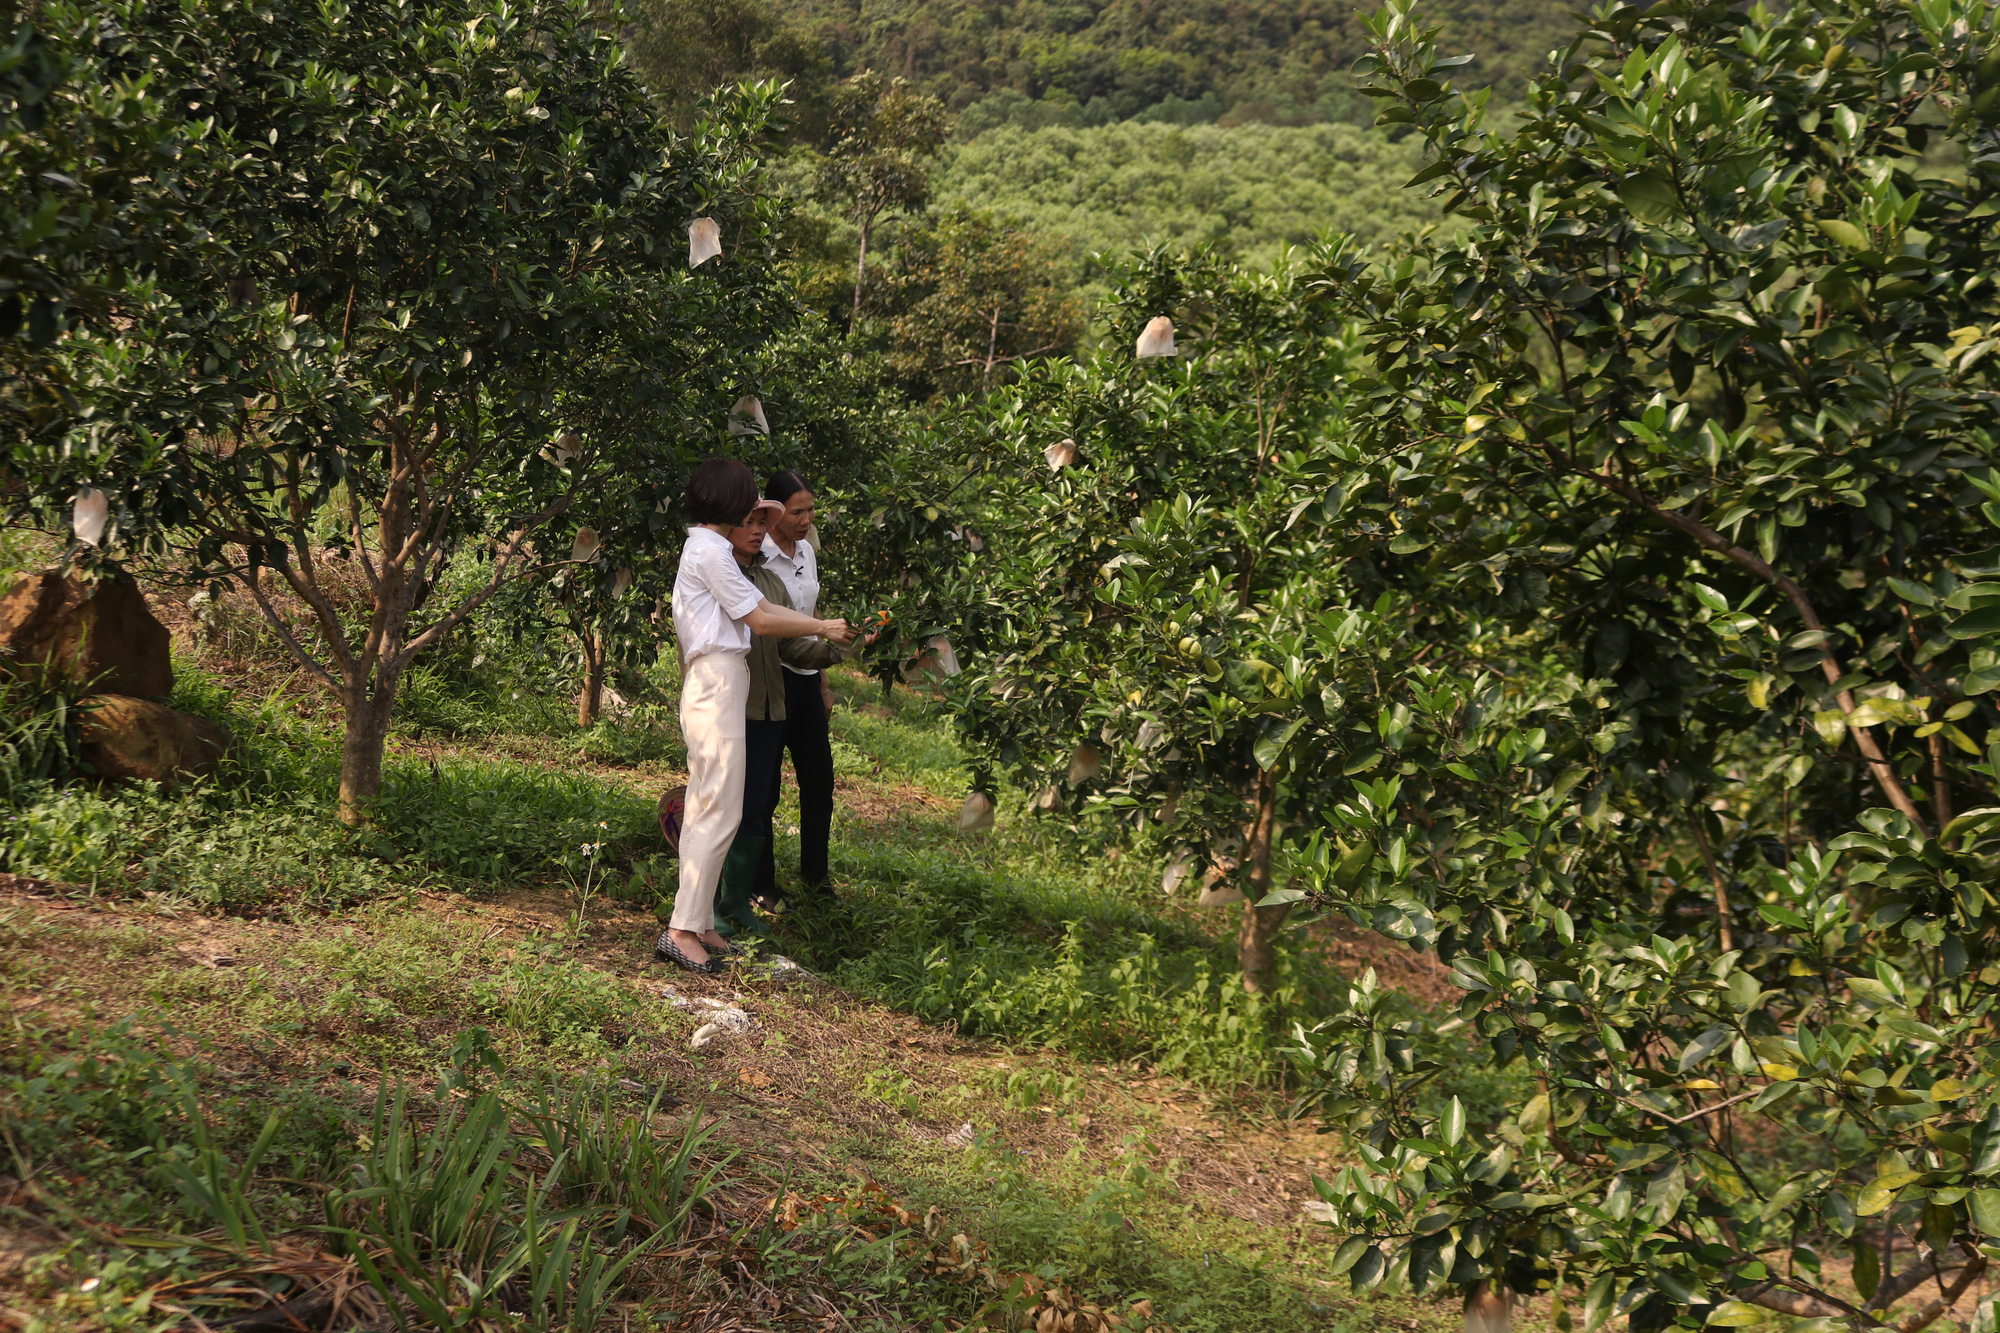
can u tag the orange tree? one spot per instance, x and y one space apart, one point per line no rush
1109 546
78 133
1701 401
822 415
442 293
1624 630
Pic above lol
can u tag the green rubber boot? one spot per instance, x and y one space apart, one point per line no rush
733 916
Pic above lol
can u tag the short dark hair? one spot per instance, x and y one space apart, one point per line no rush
783 485
721 490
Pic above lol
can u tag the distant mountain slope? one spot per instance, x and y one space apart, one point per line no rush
1094 61
1246 190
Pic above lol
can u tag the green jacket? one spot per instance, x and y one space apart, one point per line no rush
767 684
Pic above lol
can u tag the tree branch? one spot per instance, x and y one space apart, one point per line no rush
1788 1296
1893 1289
277 622
1927 1313
1697 1114
1709 539
1723 916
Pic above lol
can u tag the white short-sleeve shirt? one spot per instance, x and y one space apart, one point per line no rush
712 595
799 572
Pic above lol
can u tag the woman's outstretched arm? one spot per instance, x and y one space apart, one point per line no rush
784 623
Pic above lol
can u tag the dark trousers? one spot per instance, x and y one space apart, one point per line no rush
812 760
748 870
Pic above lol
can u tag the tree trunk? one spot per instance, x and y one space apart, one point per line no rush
361 751
1255 952
591 699
860 275
1724 918
1940 783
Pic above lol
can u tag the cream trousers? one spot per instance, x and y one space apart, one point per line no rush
715 696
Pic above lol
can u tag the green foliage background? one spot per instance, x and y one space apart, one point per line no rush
1249 59
1246 191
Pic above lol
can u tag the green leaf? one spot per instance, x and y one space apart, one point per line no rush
1970 596
1453 1125
1843 233
1972 821
1782 916
1867 1267
1429 173
1880 1192
1251 679
1432 1223
1985 1209
1649 197
1707 1044
1344 1258
1271 746
1976 624
1915 593
1737 1314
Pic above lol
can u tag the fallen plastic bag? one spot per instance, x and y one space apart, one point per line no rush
725 1021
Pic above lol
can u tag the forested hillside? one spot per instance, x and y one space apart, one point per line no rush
1083 62
1245 190
1253 59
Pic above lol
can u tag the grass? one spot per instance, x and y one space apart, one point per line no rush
314 1024
1025 936
1032 1086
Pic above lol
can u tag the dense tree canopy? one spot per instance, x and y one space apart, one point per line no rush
1602 591
972 298
443 289
1632 649
78 127
1116 59
1244 192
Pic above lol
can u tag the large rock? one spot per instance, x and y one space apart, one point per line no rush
102 634
136 740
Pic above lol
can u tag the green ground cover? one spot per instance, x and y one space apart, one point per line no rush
223 1111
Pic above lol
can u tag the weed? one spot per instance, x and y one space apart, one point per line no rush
1029 954
449 1210
650 733
893 1089
1028 1089
606 1157
562 1006
71 835
266 829
39 743
498 820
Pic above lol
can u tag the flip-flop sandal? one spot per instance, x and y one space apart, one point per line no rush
668 952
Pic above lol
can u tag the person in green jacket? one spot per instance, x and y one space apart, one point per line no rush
751 852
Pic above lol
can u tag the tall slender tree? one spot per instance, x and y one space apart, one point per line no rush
883 139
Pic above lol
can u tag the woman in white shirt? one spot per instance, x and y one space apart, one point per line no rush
808 696
716 609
